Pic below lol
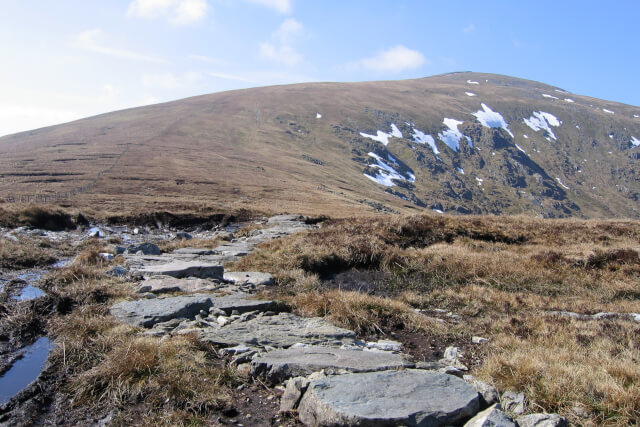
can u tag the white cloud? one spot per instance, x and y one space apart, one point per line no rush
209 60
17 118
286 55
395 59
89 40
235 77
171 80
288 31
177 12
282 6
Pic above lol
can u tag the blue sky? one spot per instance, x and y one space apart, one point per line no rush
66 59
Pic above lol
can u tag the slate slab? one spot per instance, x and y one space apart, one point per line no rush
148 312
253 277
279 331
180 269
389 398
277 366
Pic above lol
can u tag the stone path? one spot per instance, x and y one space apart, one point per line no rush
331 377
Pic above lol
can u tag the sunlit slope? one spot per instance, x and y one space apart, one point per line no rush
462 142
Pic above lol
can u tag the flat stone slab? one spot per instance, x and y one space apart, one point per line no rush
389 398
165 284
253 277
195 251
242 303
279 331
181 269
148 312
277 366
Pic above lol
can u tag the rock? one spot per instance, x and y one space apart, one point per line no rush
145 248
183 235
430 366
479 340
96 232
294 390
119 250
181 269
276 366
514 402
164 284
385 345
542 420
253 277
242 303
488 392
148 312
492 417
280 331
388 398
223 320
233 351
117 271
106 256
451 370
452 357
195 251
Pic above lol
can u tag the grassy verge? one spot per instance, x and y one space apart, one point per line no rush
502 275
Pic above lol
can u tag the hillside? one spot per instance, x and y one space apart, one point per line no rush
459 143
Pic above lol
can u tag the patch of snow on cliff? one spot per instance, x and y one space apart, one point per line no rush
635 141
471 82
422 138
491 119
549 96
561 184
543 121
569 100
470 94
386 173
459 169
383 137
520 148
318 116
608 111
452 135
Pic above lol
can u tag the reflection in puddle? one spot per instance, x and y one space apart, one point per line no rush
26 370
29 292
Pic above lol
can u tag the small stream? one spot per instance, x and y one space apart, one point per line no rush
25 370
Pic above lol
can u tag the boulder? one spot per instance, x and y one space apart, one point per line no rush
279 331
491 417
148 312
276 366
514 402
253 277
293 391
181 269
542 420
389 398
145 248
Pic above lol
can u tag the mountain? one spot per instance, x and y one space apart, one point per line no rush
460 142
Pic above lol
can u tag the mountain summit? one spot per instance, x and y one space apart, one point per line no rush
460 142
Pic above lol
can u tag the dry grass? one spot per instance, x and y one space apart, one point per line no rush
502 275
23 254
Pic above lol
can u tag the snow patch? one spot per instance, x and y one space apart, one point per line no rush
383 137
471 82
635 141
470 94
561 184
611 136
569 100
541 120
608 111
480 180
452 135
438 211
422 138
491 119
386 173
525 136
520 148
459 169
546 95
636 116
318 116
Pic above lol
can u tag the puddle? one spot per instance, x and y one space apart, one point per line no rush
61 263
24 371
29 292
